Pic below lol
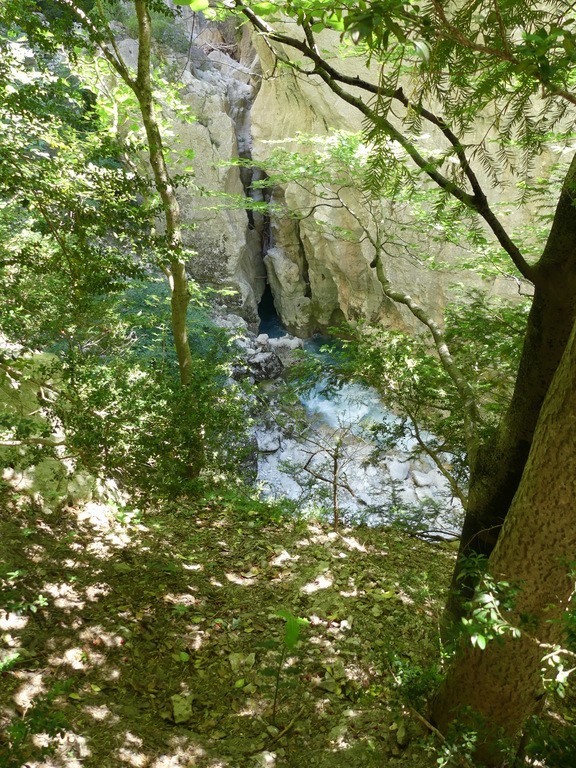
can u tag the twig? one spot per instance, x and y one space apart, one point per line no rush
427 724
285 730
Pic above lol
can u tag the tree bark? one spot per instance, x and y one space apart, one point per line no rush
535 550
496 472
180 295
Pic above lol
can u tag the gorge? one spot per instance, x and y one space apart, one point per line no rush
217 550
241 108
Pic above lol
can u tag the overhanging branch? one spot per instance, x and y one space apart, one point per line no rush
334 79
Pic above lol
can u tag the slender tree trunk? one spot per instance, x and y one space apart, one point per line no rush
176 273
175 270
536 551
497 470
335 477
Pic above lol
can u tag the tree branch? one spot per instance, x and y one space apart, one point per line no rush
456 490
470 408
113 57
477 201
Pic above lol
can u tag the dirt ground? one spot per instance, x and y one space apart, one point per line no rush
163 638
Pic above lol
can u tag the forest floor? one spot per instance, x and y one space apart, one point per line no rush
154 639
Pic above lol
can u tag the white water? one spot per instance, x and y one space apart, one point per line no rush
405 485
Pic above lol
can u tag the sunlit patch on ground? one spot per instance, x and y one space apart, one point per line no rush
30 686
323 581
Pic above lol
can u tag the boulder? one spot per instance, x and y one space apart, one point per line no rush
285 348
268 441
264 366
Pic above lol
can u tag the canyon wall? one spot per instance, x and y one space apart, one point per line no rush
244 107
209 131
318 279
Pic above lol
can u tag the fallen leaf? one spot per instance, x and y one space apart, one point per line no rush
182 707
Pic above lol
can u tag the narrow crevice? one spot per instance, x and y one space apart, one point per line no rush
304 260
270 322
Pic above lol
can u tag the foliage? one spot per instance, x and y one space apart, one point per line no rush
553 746
413 384
76 229
487 610
71 228
13 595
416 684
42 717
126 415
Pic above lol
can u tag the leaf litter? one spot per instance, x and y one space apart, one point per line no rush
176 633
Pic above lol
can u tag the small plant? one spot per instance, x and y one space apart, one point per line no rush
487 609
9 661
42 717
292 628
15 597
416 684
458 750
289 642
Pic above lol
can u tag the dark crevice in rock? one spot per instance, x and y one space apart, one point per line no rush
304 269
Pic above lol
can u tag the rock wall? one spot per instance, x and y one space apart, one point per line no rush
318 280
245 106
219 91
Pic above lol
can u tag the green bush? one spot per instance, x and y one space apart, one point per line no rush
128 417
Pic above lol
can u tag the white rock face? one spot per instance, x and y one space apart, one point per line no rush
318 280
218 91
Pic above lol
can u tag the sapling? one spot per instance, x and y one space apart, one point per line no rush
290 639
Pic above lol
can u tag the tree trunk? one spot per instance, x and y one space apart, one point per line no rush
536 551
142 89
498 468
180 295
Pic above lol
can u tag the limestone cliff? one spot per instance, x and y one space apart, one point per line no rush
244 107
317 279
219 91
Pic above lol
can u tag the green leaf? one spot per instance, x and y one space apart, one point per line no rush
292 631
264 9
479 640
195 5
421 50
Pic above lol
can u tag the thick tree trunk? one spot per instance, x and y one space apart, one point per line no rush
498 468
536 551
176 272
